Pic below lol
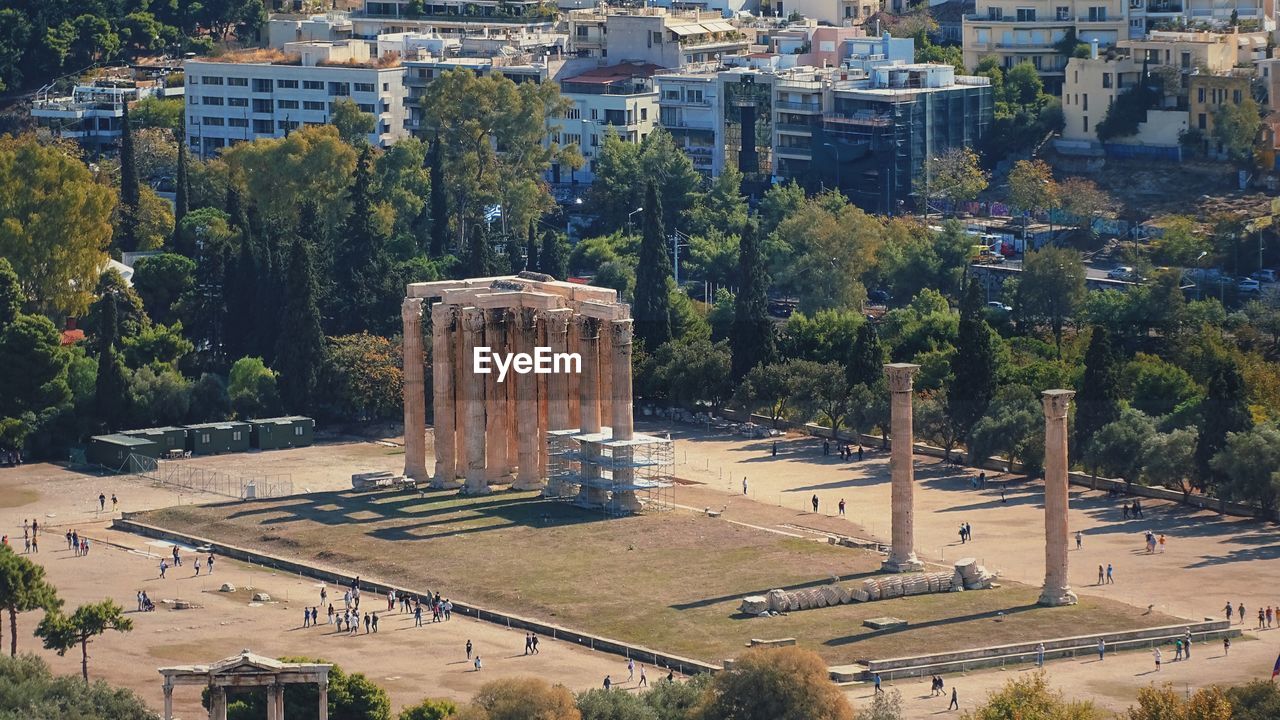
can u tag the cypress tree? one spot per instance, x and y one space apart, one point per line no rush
554 257
477 256
751 341
515 255
653 304
182 193
240 288
130 193
1098 402
357 259
972 365
1225 409
111 389
531 250
300 351
866 359
439 203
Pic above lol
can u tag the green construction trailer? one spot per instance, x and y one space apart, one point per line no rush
113 451
282 432
168 438
218 437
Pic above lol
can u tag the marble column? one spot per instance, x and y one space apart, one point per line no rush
605 392
495 394
1057 591
902 555
622 419
443 389
573 383
526 405
218 703
168 701
589 407
554 388
472 403
324 700
415 397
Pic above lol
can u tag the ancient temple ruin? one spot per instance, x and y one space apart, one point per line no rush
495 430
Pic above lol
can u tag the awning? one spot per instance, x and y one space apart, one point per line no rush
687 29
718 26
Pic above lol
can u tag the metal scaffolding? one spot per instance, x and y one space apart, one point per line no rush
591 469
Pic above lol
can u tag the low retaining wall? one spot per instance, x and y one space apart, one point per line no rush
1075 478
1057 648
682 665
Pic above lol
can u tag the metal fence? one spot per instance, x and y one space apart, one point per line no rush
176 474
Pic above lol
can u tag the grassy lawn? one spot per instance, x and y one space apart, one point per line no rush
671 581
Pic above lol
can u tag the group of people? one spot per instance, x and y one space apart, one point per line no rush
1106 576
966 532
1133 510
30 543
78 543
144 603
1153 541
1266 616
102 502
198 565
846 451
350 618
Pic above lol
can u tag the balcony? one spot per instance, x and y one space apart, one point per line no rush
801 152
815 108
794 128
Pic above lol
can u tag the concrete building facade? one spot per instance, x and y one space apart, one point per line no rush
619 98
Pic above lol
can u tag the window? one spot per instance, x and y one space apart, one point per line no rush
339 88
312 85
211 80
193 80
656 38
644 114
1202 122
287 104
1200 97
287 124
1235 97
1086 123
671 95
1064 13
572 139
262 85
193 100
386 87
1098 13
366 107
212 121
204 438
297 431
208 100
995 13
1085 105
1026 14
283 84
238 122
262 127
1106 80
365 87
238 102
581 31
695 96
573 113
312 105
594 114
595 140
262 105
238 82
235 435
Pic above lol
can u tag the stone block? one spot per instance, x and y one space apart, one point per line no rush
261 597
753 605
882 623
227 587
778 600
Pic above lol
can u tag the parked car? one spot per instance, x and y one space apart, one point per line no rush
994 305
1248 285
1124 272
1265 275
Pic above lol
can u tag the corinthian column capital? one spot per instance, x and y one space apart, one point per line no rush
1057 403
900 375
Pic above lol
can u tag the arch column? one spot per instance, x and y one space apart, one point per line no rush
1057 590
902 553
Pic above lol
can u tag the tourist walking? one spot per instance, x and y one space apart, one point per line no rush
102 502
1177 650
1161 542
644 679
1156 653
814 502
878 688
1230 611
478 664
528 643
417 615
1186 644
1102 650
1240 613
1111 580
1079 539
375 622
197 566
1226 646
210 564
1040 655
535 643
744 477
114 502
631 669
1268 616
1262 618
608 683
955 700
859 452
1100 575
35 543
468 649
163 567
841 506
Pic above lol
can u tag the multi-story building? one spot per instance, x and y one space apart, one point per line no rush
619 98
263 93
1016 31
1173 61
445 18
91 113
1148 15
836 12
671 39
419 73
689 108
1207 93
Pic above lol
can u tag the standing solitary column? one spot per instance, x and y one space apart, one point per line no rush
443 389
902 554
472 409
168 701
415 397
620 340
1057 591
526 410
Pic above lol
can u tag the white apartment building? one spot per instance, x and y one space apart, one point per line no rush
620 98
420 73
91 114
241 97
673 39
689 108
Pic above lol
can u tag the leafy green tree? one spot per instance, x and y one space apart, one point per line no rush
1155 386
602 704
29 690
360 259
692 374
301 352
182 181
884 706
956 177
1051 288
158 397
362 377
774 684
1114 448
779 202
622 166
751 339
155 112
62 633
111 393
1257 700
972 366
769 388
311 162
160 280
252 388
652 310
1236 127
1098 400
1168 460
1030 696
429 709
519 699
932 421
57 224
722 208
33 384
826 336
1224 411
354 125
822 392
822 251
23 588
1249 465
11 297
1013 426
1032 188
675 700
866 362
209 399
